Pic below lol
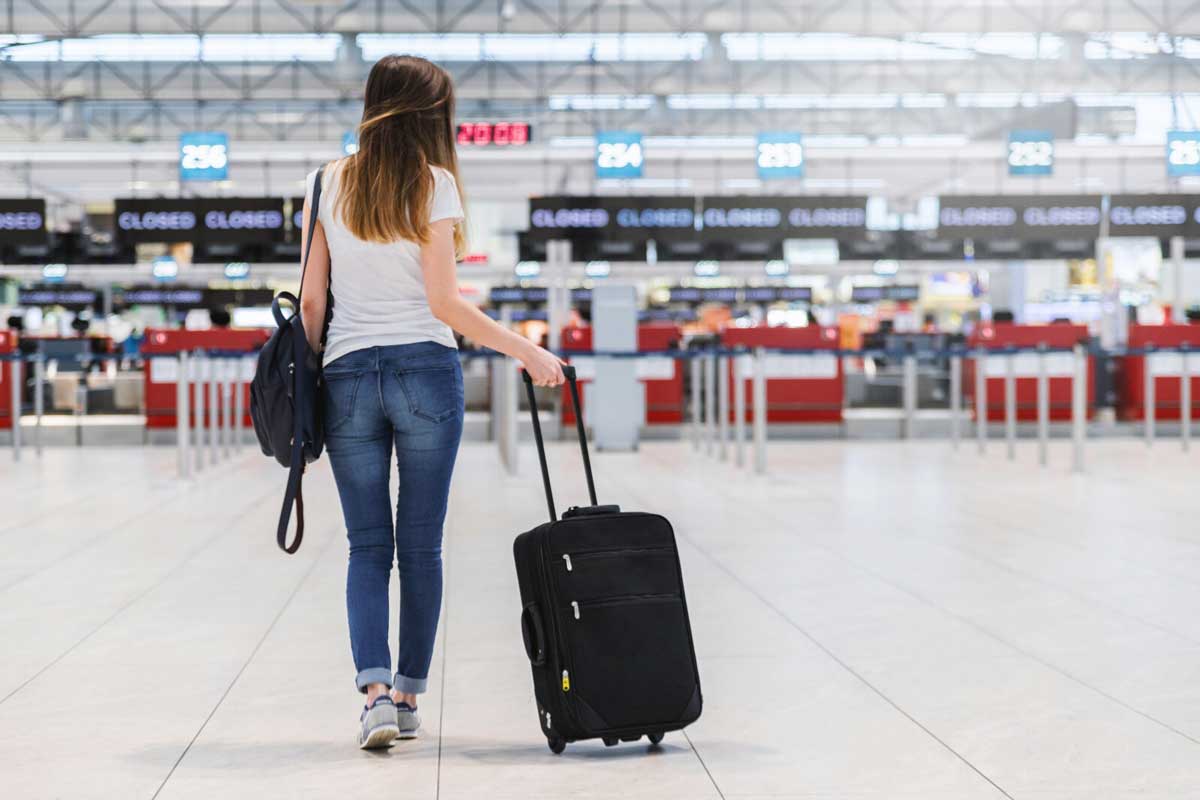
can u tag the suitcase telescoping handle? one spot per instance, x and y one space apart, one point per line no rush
569 372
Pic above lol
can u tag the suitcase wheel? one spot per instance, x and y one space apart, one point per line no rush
611 741
655 738
557 744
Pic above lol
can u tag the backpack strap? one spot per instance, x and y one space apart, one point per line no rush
294 493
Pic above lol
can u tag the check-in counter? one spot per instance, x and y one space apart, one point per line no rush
1001 336
801 387
1166 368
661 377
8 346
161 348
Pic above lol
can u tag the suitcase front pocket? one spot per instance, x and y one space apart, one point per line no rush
612 573
631 659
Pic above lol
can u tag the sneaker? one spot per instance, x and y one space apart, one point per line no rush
407 720
379 727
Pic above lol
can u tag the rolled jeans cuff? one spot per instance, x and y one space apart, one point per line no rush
406 685
374 675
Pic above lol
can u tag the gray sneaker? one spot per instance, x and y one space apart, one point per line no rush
379 726
407 720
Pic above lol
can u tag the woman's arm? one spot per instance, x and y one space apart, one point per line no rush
441 288
316 282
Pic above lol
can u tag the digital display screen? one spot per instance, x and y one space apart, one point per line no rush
1161 215
1183 153
779 155
203 156
192 297
499 295
1031 153
502 134
872 294
236 220
749 217
160 219
70 296
22 221
581 295
796 294
619 154
720 295
684 294
1029 217
760 294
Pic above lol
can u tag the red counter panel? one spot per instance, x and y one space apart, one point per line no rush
161 349
800 387
1167 368
662 377
1059 369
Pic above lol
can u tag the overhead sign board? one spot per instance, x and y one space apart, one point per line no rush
57 295
1183 153
779 155
1028 217
619 154
22 221
1031 153
203 156
616 218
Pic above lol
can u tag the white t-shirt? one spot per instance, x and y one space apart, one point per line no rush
378 291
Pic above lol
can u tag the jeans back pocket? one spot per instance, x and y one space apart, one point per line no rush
434 393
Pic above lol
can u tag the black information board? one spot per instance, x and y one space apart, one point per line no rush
1022 217
22 221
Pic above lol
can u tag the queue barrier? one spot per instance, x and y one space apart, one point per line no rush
211 419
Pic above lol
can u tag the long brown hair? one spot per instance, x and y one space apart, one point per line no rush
407 127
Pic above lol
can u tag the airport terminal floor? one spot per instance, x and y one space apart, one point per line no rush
872 620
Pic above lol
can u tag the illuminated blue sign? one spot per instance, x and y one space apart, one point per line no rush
779 155
1183 153
349 143
619 154
203 156
1030 153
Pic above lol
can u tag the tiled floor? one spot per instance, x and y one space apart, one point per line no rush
873 620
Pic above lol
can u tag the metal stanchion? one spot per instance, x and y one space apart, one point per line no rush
239 411
508 368
15 417
182 396
981 419
909 393
1010 405
955 398
1043 406
39 399
760 410
697 409
197 364
710 402
1148 402
739 410
1078 407
227 365
214 383
722 365
1185 400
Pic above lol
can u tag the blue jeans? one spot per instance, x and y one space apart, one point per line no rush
411 397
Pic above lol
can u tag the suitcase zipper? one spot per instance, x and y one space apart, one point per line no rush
567 558
621 601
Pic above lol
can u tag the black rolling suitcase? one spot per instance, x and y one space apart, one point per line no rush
604 618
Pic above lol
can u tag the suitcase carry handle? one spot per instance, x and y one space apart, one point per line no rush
533 635
569 372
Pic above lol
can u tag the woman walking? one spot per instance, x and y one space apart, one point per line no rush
391 224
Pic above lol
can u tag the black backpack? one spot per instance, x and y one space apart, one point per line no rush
285 395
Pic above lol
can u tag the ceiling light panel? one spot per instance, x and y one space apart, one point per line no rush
538 47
